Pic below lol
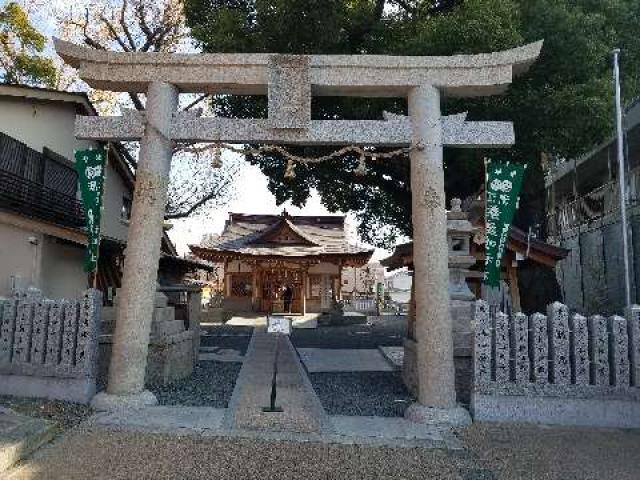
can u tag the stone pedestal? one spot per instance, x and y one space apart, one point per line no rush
170 351
410 366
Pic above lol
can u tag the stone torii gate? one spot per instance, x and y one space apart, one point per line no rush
289 81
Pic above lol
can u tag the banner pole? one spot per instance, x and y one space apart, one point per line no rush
621 177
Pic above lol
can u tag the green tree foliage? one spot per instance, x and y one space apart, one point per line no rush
562 107
21 47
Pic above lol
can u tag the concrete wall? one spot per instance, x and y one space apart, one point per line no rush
19 258
62 274
112 224
592 276
51 265
41 124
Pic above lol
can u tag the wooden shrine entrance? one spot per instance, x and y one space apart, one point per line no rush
272 283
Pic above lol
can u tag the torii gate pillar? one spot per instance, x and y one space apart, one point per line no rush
436 385
135 307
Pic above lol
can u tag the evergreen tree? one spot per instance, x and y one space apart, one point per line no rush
562 107
21 50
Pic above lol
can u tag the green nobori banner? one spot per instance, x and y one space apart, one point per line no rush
90 165
503 185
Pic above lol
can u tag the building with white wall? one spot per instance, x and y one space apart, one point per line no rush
363 281
42 237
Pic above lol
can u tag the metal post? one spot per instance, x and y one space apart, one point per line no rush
621 177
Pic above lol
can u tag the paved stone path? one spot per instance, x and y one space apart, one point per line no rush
343 360
302 411
210 422
20 435
308 321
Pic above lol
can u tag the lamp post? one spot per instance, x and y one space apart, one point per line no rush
621 177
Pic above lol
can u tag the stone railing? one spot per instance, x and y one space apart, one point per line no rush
557 368
48 348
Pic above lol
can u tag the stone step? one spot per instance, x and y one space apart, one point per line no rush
163 314
167 329
160 316
20 436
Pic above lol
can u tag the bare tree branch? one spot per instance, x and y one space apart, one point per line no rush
196 101
195 206
123 24
114 33
87 39
135 99
142 21
157 25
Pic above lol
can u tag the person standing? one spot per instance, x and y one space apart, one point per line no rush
287 296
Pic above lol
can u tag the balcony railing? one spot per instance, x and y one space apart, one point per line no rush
33 199
596 204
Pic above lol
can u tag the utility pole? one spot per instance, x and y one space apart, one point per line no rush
621 176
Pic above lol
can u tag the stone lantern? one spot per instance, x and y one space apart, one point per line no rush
459 235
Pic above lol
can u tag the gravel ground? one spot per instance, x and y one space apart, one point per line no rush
493 452
358 393
65 414
387 331
543 452
226 336
235 342
210 385
379 394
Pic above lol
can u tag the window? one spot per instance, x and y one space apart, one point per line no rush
315 286
241 285
125 213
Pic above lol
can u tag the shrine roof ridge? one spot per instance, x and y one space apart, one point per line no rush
337 220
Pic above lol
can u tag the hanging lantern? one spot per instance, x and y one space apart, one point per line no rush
361 169
290 172
217 157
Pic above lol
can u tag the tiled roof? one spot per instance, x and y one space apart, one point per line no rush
245 235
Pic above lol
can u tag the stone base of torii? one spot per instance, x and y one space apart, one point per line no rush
289 81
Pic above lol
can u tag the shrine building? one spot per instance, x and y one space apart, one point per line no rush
264 254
